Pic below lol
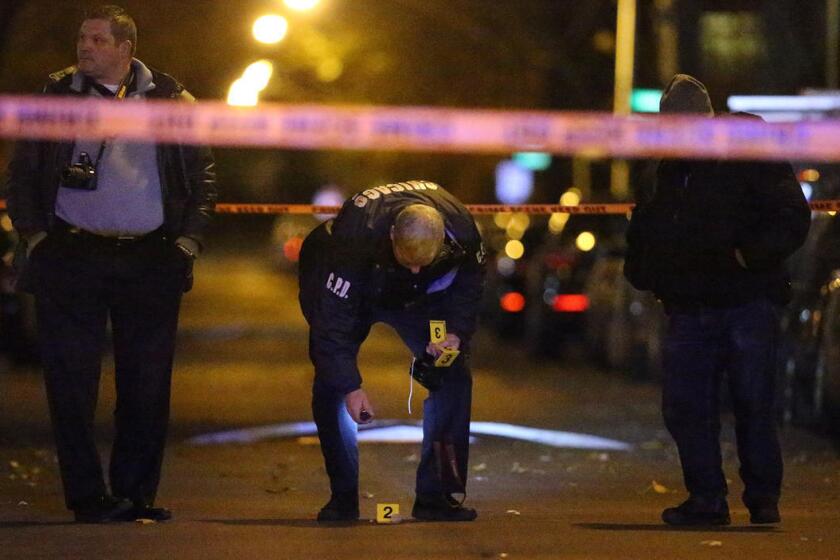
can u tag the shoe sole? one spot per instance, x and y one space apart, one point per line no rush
438 517
706 523
765 521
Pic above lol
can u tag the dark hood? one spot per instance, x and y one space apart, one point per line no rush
686 94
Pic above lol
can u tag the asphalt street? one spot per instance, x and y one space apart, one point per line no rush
242 363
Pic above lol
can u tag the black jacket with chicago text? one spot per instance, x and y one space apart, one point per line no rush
348 269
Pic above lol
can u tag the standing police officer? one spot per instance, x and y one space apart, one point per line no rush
403 254
110 228
711 244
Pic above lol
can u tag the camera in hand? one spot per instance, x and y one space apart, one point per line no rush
423 370
80 175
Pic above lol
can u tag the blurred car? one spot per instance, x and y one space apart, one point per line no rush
18 335
503 308
557 302
289 230
624 327
809 380
287 235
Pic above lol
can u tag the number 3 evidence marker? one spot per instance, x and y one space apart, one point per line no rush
437 333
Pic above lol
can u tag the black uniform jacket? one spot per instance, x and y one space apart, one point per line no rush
682 243
359 274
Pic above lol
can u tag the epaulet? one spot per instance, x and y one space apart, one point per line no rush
61 74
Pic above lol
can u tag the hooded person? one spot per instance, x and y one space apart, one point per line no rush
711 245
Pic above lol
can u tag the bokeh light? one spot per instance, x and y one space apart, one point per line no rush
585 241
270 29
514 249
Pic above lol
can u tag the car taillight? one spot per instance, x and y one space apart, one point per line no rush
291 249
570 303
512 302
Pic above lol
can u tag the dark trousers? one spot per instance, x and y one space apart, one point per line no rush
446 415
699 346
79 283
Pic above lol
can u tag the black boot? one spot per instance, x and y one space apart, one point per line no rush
441 507
102 509
343 506
698 510
143 510
764 511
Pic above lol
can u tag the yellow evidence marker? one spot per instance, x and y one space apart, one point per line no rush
437 331
446 357
388 513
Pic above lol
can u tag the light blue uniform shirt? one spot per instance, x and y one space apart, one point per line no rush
128 198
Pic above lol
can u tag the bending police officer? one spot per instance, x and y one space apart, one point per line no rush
402 254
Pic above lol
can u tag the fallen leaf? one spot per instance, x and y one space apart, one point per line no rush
14 464
278 490
503 555
23 503
367 495
513 512
659 488
517 468
711 543
144 521
480 467
413 458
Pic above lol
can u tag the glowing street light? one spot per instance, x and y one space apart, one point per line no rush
243 94
270 29
258 74
301 5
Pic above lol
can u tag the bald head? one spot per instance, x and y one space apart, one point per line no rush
417 236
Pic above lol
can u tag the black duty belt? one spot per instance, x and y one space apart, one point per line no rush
112 240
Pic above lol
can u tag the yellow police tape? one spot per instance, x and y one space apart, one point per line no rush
419 129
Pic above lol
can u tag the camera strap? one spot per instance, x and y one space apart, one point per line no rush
126 84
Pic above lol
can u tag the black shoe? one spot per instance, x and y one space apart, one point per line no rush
698 511
141 511
343 506
441 507
764 511
102 509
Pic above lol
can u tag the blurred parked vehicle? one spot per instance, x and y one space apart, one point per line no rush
18 335
809 384
290 230
624 327
287 237
557 302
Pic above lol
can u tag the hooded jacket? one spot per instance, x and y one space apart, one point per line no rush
682 243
